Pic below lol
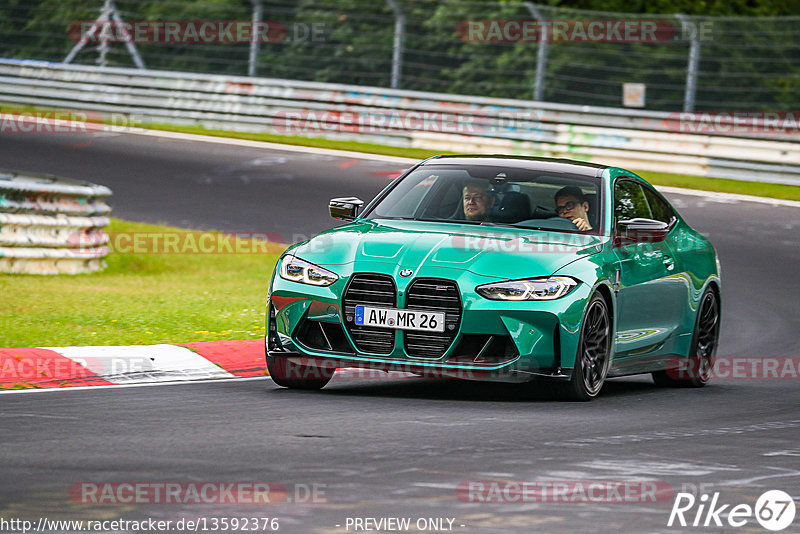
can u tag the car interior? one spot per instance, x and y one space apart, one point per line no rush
520 197
520 203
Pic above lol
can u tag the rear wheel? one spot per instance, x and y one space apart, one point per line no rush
297 375
594 349
697 371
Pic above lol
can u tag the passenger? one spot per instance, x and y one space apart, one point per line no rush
571 204
478 201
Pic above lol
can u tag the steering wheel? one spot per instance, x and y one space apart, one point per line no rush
562 223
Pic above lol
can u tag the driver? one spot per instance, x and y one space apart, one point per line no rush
478 200
571 204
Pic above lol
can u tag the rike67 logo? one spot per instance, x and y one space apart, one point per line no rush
774 510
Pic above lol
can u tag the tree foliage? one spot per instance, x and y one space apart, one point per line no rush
748 63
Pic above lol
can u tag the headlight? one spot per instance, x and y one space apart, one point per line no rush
296 270
531 289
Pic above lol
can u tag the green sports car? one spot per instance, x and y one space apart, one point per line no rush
501 268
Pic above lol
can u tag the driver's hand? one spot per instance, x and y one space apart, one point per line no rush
582 223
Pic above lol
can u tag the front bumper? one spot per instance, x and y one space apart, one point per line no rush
374 367
541 336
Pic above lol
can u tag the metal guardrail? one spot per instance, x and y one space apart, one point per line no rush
655 141
51 225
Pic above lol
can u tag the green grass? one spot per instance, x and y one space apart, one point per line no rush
787 192
297 140
139 299
760 189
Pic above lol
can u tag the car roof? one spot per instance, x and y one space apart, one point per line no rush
554 165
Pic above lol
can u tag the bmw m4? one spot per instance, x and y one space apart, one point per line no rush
501 268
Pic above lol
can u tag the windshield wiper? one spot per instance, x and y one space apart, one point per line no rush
436 219
489 223
476 223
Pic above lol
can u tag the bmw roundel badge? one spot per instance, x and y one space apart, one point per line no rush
405 273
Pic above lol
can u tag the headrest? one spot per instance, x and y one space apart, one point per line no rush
514 207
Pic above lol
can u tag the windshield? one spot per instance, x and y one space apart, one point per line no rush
494 195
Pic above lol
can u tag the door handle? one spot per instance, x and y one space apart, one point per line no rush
669 263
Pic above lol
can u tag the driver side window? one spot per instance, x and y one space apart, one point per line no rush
629 202
661 210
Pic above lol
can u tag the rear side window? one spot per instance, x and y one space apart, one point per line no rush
661 210
629 201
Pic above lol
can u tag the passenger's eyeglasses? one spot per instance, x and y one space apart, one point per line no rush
566 207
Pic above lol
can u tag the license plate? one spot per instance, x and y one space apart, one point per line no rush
402 319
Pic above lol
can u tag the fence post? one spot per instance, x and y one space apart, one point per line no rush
129 44
541 53
102 49
108 13
397 47
252 62
694 60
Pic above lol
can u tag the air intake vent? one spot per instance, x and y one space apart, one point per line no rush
433 294
324 336
370 290
484 349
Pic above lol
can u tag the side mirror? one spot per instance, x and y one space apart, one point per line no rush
345 208
640 230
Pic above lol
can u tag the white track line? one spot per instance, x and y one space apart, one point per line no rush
142 363
270 146
140 385
727 197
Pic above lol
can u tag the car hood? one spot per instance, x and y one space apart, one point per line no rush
496 251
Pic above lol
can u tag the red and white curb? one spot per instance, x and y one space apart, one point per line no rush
52 367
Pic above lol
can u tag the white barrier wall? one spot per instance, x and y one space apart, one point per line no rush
655 141
50 225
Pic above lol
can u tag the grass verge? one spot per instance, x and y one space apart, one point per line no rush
786 192
139 299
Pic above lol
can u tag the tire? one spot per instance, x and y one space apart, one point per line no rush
593 356
705 339
280 370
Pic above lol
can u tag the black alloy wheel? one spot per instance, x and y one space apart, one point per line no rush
696 371
594 350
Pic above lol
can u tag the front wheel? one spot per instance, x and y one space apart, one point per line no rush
594 350
293 375
697 369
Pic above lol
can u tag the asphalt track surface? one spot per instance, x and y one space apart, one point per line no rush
400 448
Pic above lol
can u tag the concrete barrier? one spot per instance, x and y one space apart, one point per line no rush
643 140
51 225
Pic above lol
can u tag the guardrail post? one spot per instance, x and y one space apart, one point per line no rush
541 53
397 47
694 60
252 63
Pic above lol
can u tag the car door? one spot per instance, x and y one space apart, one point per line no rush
648 295
679 242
